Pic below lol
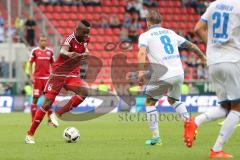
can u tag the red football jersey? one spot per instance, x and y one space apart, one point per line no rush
68 66
43 60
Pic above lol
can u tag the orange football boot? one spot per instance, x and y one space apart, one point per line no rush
220 154
190 130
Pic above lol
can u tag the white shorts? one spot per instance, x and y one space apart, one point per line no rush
226 80
171 86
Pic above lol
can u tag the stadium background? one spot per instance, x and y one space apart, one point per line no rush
115 24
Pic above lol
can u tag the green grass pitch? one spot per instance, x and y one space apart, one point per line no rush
106 138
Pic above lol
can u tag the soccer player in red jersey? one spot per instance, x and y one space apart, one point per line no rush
65 74
43 59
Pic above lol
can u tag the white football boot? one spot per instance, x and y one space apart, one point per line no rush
29 140
53 121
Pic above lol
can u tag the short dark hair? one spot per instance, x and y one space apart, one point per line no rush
154 17
42 36
85 23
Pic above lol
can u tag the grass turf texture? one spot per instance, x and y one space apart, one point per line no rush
107 138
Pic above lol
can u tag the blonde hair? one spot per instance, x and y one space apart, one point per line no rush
153 17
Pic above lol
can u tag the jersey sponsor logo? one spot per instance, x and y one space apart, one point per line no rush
48 53
171 57
47 58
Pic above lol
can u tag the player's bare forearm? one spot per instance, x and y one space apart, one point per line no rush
201 30
87 51
85 58
195 49
64 52
202 34
30 69
141 58
141 63
50 69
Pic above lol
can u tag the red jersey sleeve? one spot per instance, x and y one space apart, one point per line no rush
67 40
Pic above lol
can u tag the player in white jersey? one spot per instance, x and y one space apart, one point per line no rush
219 28
160 45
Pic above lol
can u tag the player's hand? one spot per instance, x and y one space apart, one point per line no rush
32 79
84 56
204 60
73 55
141 75
76 55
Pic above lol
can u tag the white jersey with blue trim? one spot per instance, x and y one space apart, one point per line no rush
162 48
223 19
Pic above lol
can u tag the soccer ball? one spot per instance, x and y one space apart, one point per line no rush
71 135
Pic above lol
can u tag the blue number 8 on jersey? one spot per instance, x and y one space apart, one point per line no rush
168 47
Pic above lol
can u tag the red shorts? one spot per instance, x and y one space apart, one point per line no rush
56 83
38 87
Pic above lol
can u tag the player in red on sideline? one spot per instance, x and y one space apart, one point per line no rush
65 74
43 59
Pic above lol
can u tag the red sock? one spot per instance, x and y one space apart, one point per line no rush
74 102
33 110
50 111
37 120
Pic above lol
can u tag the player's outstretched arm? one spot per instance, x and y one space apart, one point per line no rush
201 30
189 45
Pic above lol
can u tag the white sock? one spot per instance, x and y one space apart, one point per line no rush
181 109
211 115
227 129
152 118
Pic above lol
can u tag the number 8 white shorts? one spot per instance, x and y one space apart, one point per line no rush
171 86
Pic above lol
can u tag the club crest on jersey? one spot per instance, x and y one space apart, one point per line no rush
48 53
